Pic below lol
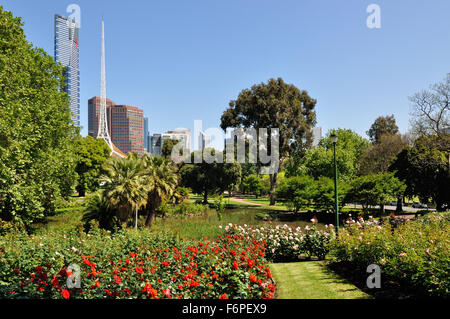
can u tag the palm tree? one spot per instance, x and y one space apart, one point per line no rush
97 208
161 181
125 186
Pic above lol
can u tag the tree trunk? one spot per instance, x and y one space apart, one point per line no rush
205 197
150 219
382 209
273 183
399 208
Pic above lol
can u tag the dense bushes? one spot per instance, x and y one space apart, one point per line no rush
287 244
132 265
417 253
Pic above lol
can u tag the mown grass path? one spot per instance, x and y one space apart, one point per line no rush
312 280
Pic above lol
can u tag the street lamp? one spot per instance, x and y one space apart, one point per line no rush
334 139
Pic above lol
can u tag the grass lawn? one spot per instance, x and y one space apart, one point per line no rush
312 280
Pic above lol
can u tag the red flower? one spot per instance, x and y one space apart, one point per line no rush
147 288
153 292
127 261
16 271
65 293
166 293
165 263
139 270
224 296
39 269
117 280
235 265
250 263
252 278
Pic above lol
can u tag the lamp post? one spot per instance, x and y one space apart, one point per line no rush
334 140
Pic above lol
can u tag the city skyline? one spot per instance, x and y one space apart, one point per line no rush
342 66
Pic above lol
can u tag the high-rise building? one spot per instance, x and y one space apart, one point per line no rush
317 135
156 144
67 52
182 135
146 135
204 141
125 125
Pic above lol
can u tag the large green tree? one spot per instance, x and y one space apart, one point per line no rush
210 178
425 169
91 154
382 125
36 134
274 105
319 161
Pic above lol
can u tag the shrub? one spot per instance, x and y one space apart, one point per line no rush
286 244
131 264
417 253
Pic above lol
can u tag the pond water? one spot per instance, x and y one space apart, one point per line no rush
207 225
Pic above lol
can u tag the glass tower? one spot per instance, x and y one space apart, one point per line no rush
66 52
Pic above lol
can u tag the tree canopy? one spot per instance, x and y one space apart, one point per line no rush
382 125
36 134
274 105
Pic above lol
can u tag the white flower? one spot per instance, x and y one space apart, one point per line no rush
220 226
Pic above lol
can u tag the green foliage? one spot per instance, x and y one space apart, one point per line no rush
181 194
91 154
319 161
168 146
383 125
298 191
36 135
375 189
425 169
415 254
129 264
324 195
275 104
252 184
219 206
210 178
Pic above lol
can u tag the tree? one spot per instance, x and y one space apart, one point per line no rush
378 157
382 125
161 181
125 186
252 184
91 154
168 146
210 178
319 161
36 134
274 104
425 169
375 189
324 195
298 191
430 109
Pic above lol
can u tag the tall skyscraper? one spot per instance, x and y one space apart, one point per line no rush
67 52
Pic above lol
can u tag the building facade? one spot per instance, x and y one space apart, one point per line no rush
182 135
67 53
204 141
147 147
125 125
156 145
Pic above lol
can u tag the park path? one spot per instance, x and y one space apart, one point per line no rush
240 200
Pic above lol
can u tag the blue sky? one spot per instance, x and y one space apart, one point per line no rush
182 61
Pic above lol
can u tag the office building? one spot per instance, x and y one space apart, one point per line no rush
182 135
316 135
67 53
156 144
146 136
125 125
204 141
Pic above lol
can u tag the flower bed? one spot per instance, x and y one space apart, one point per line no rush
285 243
416 254
132 265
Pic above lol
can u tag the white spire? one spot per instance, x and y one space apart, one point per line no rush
103 131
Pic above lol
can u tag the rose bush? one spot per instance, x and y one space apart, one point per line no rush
285 243
132 265
416 253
